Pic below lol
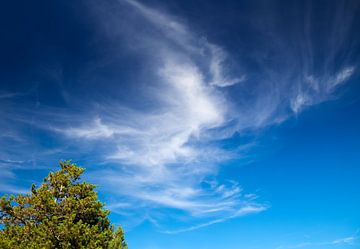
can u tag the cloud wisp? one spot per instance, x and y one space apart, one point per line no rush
167 155
345 241
164 157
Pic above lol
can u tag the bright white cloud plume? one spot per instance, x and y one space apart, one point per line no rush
165 158
166 155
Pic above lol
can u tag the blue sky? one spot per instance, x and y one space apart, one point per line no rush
205 124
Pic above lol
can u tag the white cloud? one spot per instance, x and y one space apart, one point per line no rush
341 77
8 177
8 95
96 130
162 164
192 44
13 189
320 88
332 243
242 211
217 64
165 155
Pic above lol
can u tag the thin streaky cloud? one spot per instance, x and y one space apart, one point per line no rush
241 212
349 241
13 189
156 150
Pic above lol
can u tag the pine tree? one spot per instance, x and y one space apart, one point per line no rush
62 213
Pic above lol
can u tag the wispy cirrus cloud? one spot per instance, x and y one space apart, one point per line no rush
168 153
8 177
349 241
164 158
241 212
319 88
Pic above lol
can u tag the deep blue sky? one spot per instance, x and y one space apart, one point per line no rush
205 124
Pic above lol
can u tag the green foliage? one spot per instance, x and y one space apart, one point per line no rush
62 213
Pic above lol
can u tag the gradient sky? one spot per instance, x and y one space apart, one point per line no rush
205 124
